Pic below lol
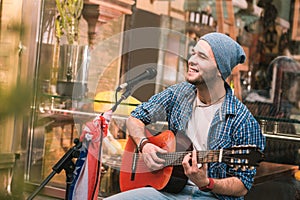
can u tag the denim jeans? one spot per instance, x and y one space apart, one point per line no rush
189 192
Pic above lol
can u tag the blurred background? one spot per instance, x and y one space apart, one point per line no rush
61 62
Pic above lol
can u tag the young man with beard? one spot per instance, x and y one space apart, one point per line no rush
204 109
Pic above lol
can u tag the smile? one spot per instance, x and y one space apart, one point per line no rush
193 70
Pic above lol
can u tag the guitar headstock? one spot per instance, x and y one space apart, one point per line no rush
243 157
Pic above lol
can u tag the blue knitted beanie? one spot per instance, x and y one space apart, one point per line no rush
228 53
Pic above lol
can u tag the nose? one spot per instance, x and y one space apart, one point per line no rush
191 61
192 58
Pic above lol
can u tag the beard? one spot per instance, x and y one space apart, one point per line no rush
201 82
204 78
195 81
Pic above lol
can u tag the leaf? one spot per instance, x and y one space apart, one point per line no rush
15 101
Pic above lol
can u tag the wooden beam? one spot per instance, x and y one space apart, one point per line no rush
226 25
98 12
123 6
220 15
296 21
109 12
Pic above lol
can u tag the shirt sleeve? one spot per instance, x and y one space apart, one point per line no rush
155 109
249 133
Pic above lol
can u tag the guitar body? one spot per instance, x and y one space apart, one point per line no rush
170 178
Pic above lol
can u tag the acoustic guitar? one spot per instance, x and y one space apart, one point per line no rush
135 174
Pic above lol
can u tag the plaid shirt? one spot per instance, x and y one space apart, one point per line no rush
232 125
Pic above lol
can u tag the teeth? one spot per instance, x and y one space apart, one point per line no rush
193 70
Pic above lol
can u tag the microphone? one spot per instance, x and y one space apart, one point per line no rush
148 74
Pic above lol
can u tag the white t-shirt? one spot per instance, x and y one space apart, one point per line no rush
199 124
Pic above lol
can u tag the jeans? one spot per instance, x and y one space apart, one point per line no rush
189 192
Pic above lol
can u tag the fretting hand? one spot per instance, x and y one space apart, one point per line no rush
193 172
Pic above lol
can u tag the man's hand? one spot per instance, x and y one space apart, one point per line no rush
150 157
193 172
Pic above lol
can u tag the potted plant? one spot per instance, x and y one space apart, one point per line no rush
69 72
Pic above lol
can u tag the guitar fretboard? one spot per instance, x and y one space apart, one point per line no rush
176 158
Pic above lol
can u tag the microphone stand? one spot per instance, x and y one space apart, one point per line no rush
124 96
65 163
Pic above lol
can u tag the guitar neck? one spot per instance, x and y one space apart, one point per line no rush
241 156
175 158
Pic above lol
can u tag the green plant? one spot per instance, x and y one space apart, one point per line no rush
68 19
16 100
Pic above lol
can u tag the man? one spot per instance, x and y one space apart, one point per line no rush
206 111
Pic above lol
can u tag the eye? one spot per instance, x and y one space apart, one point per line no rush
202 55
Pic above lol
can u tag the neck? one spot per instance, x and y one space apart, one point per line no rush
211 95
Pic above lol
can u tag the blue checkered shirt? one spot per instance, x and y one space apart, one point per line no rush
232 125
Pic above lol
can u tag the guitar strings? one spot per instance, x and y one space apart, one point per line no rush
172 158
175 158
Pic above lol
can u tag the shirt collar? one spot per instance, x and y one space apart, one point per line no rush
229 102
228 107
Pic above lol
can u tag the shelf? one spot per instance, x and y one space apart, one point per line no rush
85 99
7 160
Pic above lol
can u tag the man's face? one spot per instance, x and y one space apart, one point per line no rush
202 66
